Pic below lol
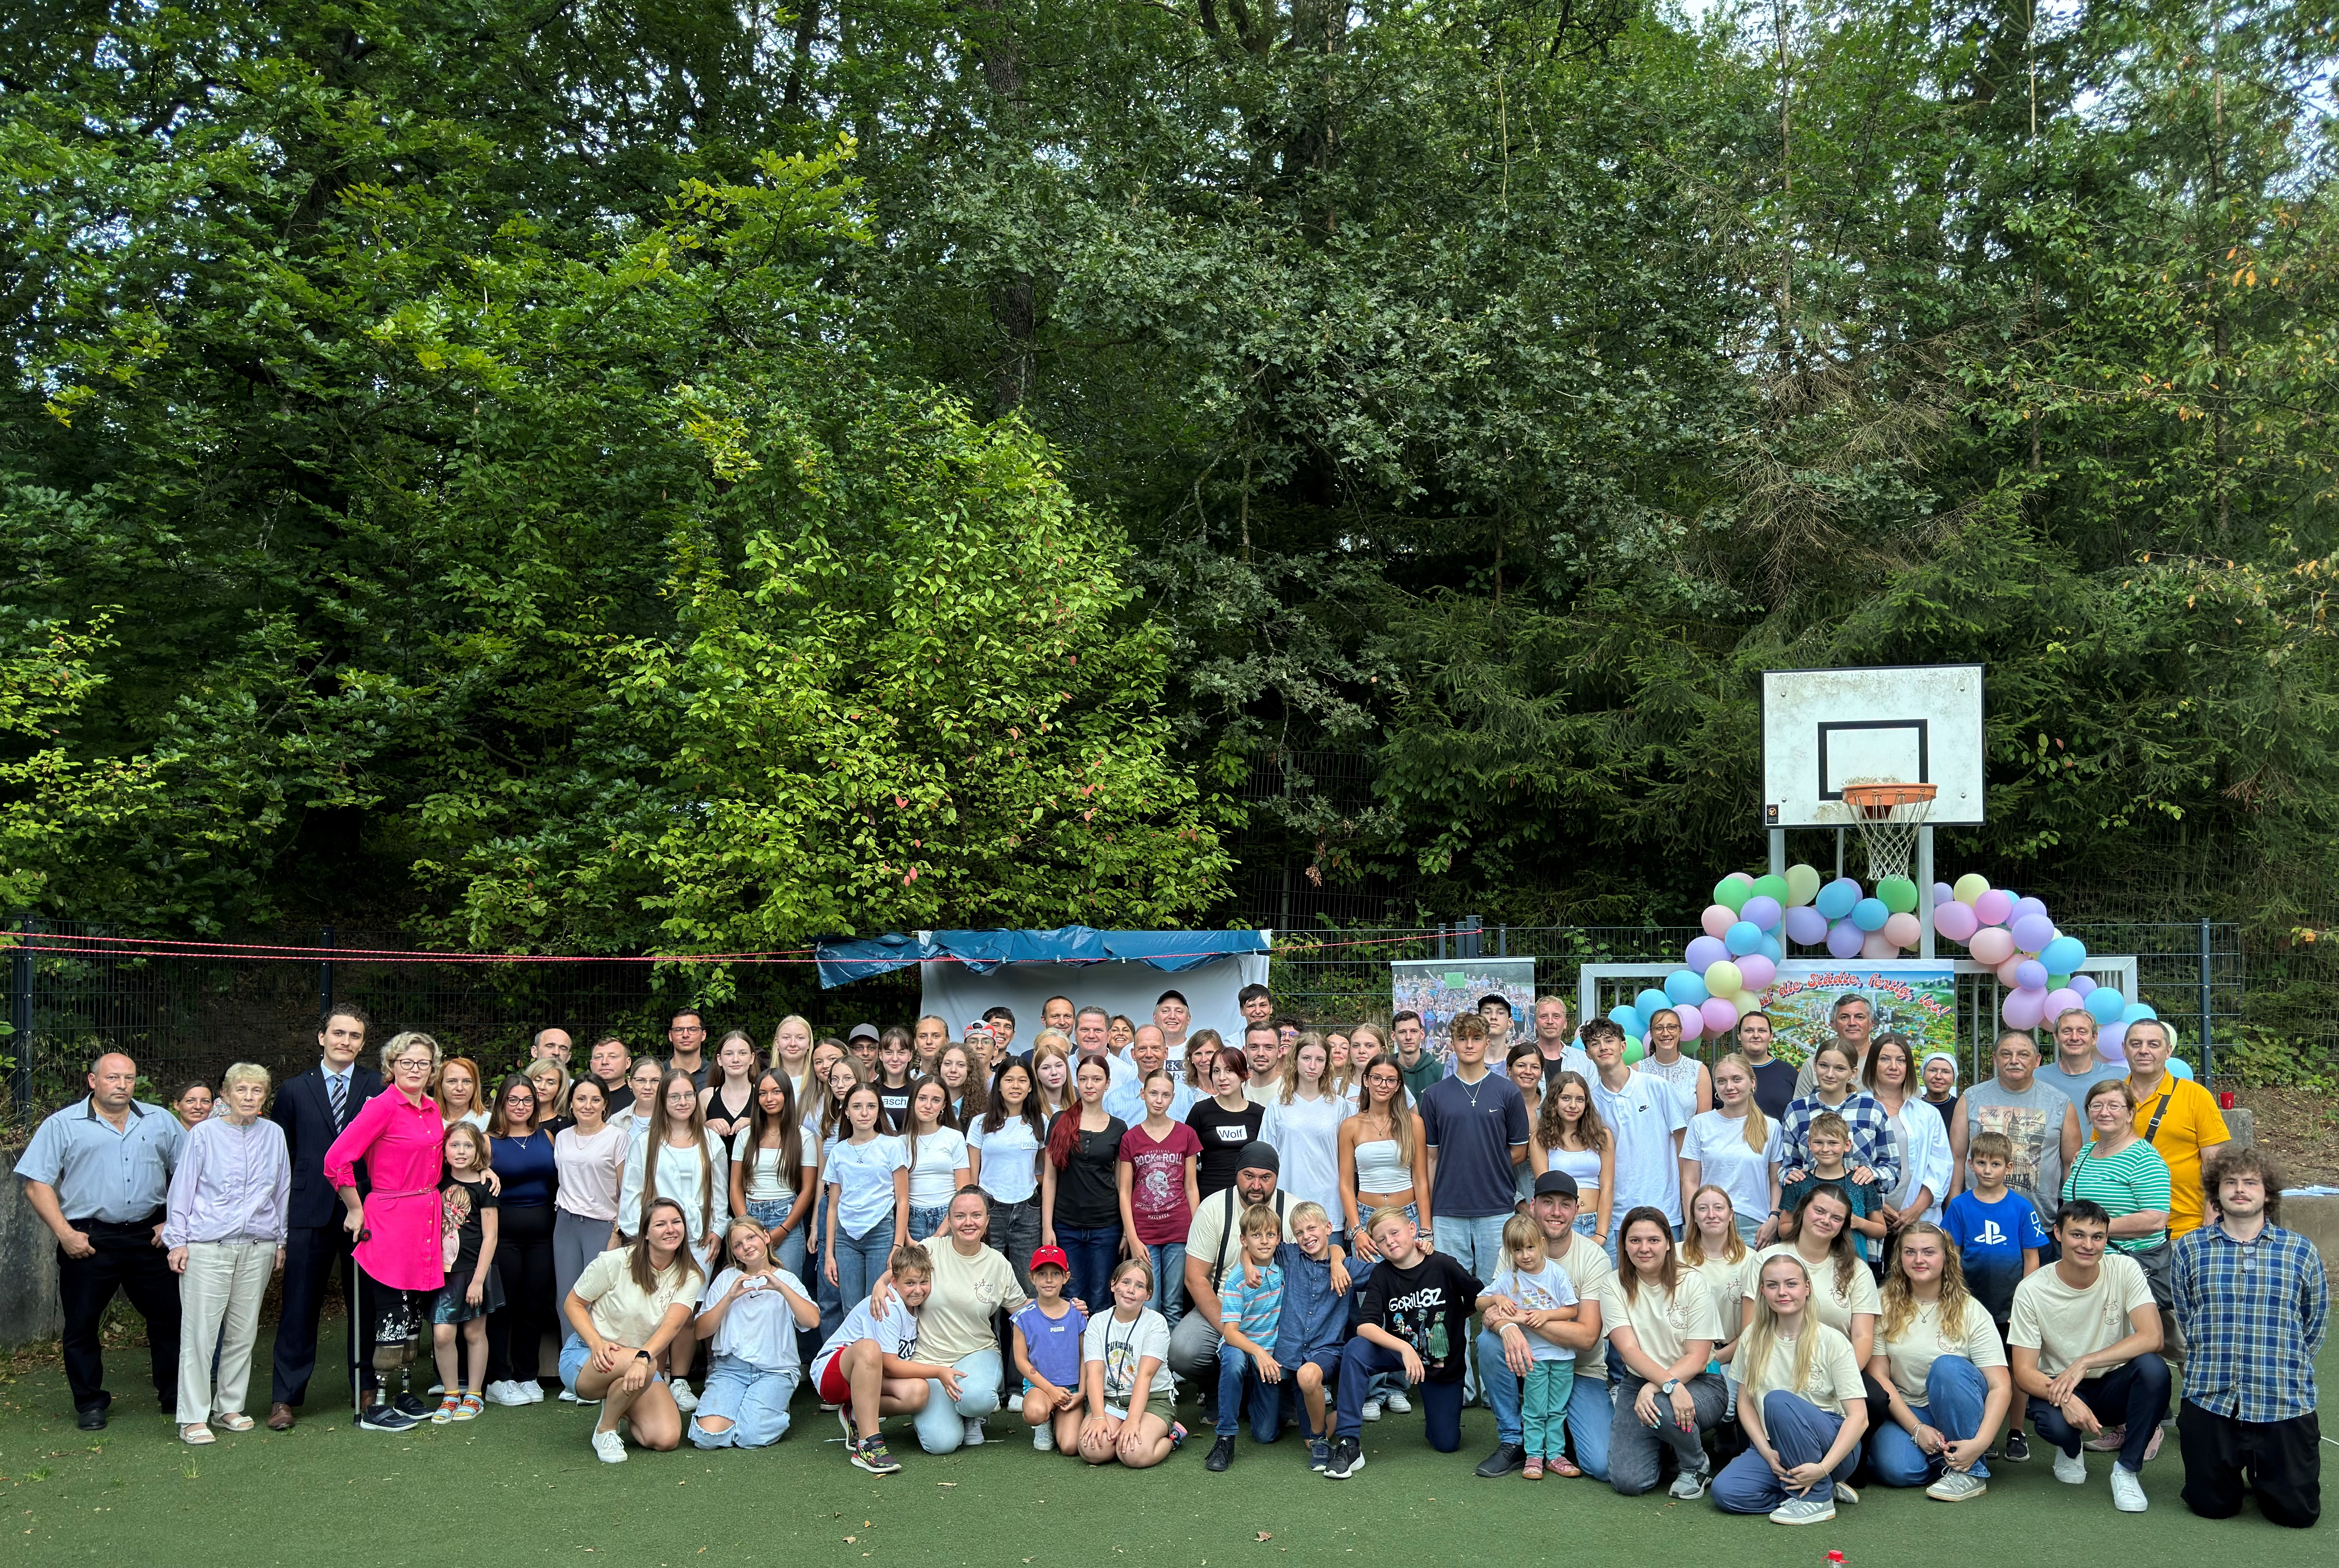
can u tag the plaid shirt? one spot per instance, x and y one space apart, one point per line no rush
1871 1135
2254 1316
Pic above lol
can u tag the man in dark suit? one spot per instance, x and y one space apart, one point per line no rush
313 1107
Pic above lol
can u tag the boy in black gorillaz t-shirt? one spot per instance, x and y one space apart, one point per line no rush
1413 1315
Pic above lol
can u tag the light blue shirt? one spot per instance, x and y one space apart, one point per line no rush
1124 1101
119 1177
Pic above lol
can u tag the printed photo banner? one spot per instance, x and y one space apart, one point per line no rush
1440 988
1913 997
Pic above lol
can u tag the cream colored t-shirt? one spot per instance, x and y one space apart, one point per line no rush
2062 1324
621 1310
955 1321
1834 1375
1836 1308
1919 1345
1588 1269
1662 1324
1728 1283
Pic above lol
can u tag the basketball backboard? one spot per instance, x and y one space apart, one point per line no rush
1823 729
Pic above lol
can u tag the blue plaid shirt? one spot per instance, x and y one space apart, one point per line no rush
1871 1135
2254 1316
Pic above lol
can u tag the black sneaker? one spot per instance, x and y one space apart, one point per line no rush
413 1409
1222 1454
1347 1458
384 1418
1505 1458
2018 1450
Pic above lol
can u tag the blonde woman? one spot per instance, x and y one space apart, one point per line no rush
551 1086
224 1224
1800 1403
1942 1370
791 1053
1735 1147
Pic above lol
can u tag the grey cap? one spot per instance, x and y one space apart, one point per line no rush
860 1030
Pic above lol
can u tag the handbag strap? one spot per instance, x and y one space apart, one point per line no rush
2158 1112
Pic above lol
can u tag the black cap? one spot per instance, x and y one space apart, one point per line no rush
1259 1154
1556 1184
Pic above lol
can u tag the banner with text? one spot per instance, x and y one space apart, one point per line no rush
1439 988
1915 997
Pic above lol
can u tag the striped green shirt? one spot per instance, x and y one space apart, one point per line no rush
2134 1179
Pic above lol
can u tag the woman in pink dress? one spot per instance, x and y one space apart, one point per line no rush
400 1267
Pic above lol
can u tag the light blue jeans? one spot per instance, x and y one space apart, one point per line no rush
1169 1279
789 1251
1476 1244
754 1401
926 1218
860 1259
941 1425
1956 1393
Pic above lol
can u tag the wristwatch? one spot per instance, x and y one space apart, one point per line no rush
646 1355
1667 1387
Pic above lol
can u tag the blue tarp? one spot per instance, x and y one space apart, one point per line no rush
846 959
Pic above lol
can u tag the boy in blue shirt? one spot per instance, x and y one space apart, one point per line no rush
1314 1328
1998 1234
1048 1354
1250 1307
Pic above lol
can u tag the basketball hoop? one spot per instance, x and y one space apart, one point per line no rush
1887 814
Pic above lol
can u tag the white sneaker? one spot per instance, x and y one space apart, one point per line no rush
1371 1411
1044 1439
1690 1486
1812 1510
568 1396
1957 1486
683 1399
2071 1469
1396 1404
504 1392
1844 1494
2127 1490
973 1439
610 1448
533 1391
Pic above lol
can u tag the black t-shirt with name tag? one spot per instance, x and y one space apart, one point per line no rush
1223 1133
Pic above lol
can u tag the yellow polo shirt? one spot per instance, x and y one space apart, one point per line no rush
2191 1124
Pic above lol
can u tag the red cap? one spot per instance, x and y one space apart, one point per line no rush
1052 1254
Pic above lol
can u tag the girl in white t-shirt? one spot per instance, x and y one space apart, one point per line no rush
867 1178
1712 1247
937 1158
749 1317
1736 1148
1941 1370
1800 1403
1125 1376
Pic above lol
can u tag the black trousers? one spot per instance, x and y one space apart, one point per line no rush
125 1260
524 1265
2280 1461
313 1255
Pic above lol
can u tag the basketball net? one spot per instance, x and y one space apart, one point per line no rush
1887 814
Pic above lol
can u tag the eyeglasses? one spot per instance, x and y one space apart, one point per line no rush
405 1061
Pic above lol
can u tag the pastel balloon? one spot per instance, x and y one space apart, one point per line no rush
1731 893
1625 1017
2024 908
1650 1003
1843 939
2063 1000
1870 914
1772 887
1741 878
2009 973
1802 884
1743 938
1992 907
1771 950
2023 1009
2083 984
1955 920
2182 1068
2063 955
1633 1049
1724 979
1807 926
1682 987
1717 919
1942 893
2111 1044
1835 900
1763 911
2107 1005
2030 975
1903 930
1692 1021
1969 887
1876 944
1992 945
1898 893
2033 932
1756 972
1704 953
1720 1018
2138 1011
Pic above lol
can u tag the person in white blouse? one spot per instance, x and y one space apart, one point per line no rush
1734 1147
224 1225
677 1158
1303 1122
1919 1136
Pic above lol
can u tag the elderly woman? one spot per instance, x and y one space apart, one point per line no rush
399 1135
225 1226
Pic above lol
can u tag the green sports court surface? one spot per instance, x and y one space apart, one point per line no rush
520 1486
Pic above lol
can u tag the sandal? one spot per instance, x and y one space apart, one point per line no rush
468 1408
236 1422
1561 1464
197 1434
446 1411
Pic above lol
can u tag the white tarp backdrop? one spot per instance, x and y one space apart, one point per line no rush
958 995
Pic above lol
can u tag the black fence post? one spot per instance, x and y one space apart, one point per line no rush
20 1014
325 981
1471 944
2207 1055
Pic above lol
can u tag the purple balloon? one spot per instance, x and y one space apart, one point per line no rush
2033 932
2030 975
1720 1017
1763 910
1992 907
1705 952
2082 984
1806 925
1757 972
1955 920
1843 939
2059 1002
2023 1009
2024 908
1943 892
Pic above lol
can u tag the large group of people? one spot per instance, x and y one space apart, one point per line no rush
1771 1288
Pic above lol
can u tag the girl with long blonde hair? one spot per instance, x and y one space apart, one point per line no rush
1800 1403
1939 1371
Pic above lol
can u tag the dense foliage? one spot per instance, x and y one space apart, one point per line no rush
591 476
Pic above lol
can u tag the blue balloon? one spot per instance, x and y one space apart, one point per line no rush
2139 1010
2181 1068
1686 989
2063 955
1625 1017
2030 975
1870 914
1650 1002
1771 950
1743 938
2107 1005
1836 899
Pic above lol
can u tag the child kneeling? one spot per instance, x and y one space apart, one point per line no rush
1414 1313
1048 1354
865 1369
748 1319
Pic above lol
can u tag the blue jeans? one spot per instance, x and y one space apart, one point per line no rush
1169 1279
1955 1394
1801 1433
1237 1378
1587 1221
1015 1233
1748 1226
1476 1244
754 1401
788 1251
2136 1394
860 1259
1094 1249
1441 1403
926 1218
942 1423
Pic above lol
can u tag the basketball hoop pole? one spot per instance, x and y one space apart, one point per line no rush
1778 852
1925 890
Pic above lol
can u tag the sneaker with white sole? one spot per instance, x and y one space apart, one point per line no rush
1803 1511
609 1447
1844 1494
2016 1450
2108 1441
2152 1447
2127 1490
533 1390
568 1396
1044 1439
503 1391
1347 1458
973 1432
1372 1410
1396 1404
384 1418
683 1399
870 1454
2071 1469
1690 1486
1957 1486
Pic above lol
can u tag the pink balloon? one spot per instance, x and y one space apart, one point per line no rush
2009 973
1992 907
1993 944
1757 972
1902 930
1717 920
1692 1021
2059 1002
1720 1018
2023 1009
1876 944
1955 920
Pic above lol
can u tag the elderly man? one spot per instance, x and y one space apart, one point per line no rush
1214 1245
2042 1124
1125 1097
1504 1350
552 1045
98 1174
